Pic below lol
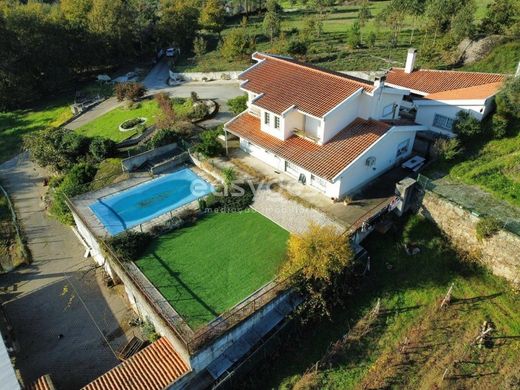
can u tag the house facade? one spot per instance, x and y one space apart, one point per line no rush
326 129
436 96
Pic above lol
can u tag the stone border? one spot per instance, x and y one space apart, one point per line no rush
143 121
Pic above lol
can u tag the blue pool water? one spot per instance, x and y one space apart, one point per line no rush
148 200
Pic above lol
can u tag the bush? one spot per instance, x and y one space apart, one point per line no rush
131 91
447 149
238 104
75 182
199 111
297 47
499 126
487 227
209 145
467 126
129 245
163 137
508 99
149 332
128 124
239 197
101 148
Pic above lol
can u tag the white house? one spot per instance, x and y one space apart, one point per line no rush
326 129
438 95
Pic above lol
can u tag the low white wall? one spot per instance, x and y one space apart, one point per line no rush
199 76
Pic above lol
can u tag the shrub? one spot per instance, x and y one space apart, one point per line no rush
131 91
466 126
129 245
194 97
229 175
199 111
209 145
239 197
487 227
75 182
447 149
371 39
508 99
128 124
237 43
149 332
317 259
499 126
163 137
297 47
354 35
101 148
237 104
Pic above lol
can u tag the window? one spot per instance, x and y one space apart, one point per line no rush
402 148
388 110
318 182
276 122
443 122
291 169
267 118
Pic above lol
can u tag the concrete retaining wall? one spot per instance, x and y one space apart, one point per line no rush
500 253
200 76
171 163
131 163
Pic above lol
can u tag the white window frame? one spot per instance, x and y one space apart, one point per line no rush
402 148
267 118
443 122
318 182
386 108
276 122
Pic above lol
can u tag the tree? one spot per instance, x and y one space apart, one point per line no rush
199 46
209 145
447 149
237 43
364 13
272 23
500 15
298 47
167 116
354 35
312 28
229 175
466 126
130 90
316 260
101 148
212 16
238 104
179 23
508 99
371 39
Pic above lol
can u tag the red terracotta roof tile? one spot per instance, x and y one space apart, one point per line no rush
153 368
285 82
434 81
478 92
325 161
42 383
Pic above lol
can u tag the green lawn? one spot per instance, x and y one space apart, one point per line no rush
15 124
108 125
207 268
502 59
410 289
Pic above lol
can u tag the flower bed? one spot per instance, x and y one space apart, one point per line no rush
131 124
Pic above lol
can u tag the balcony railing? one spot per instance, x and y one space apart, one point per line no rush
303 134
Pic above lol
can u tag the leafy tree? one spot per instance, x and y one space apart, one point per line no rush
316 260
199 46
167 116
179 23
508 99
237 43
229 175
312 28
272 22
58 149
364 13
212 16
238 104
500 15
130 90
499 126
354 35
163 137
466 126
447 149
298 47
209 145
101 148
129 245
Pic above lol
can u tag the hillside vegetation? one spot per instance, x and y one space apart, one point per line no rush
411 343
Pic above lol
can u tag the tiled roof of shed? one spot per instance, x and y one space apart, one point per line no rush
153 368
285 82
435 81
325 161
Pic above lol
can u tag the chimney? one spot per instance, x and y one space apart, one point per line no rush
410 60
379 81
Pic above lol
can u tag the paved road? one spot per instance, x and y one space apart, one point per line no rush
95 112
57 294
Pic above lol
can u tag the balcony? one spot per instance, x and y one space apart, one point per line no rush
303 134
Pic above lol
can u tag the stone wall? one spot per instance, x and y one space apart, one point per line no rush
499 253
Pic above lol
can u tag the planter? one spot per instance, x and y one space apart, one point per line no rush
132 124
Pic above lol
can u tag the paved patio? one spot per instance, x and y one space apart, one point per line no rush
365 202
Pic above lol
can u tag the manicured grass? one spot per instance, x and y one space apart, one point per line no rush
410 289
207 268
15 124
108 125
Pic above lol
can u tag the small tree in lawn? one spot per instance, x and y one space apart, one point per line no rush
272 23
317 259
354 35
167 116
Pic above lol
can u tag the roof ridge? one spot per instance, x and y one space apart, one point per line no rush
317 69
452 71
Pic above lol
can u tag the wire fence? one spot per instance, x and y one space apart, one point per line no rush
474 200
14 219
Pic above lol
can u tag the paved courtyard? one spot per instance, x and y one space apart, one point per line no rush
66 321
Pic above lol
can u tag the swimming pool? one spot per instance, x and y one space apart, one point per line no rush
148 200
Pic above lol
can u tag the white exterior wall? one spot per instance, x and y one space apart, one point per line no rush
358 174
339 117
426 113
269 129
293 120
